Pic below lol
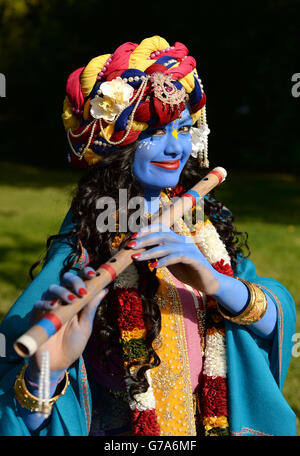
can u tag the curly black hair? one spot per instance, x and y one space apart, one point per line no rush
106 177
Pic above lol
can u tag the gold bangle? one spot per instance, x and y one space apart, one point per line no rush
31 402
255 310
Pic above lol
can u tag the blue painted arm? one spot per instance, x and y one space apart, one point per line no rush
74 337
171 249
32 419
233 295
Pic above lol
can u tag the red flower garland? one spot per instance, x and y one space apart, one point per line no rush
178 190
145 422
130 316
215 393
223 268
129 309
214 390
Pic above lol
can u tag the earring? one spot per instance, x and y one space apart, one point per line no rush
200 140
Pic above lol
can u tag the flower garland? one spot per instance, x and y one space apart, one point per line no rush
212 393
213 388
133 333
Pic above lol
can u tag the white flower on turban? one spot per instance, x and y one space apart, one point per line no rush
116 97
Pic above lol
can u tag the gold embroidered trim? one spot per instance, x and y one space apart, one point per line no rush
201 314
171 380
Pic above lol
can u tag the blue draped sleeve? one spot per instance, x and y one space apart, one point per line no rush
257 367
71 413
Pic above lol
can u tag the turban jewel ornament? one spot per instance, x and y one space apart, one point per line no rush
116 96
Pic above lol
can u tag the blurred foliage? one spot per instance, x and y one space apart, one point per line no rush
247 53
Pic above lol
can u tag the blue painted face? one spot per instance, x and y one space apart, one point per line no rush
162 153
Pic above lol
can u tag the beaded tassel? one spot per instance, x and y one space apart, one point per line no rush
203 158
44 385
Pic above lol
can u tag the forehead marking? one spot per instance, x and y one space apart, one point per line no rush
174 131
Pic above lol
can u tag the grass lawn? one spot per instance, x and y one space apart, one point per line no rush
267 207
34 201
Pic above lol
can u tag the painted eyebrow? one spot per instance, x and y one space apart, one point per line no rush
181 123
185 122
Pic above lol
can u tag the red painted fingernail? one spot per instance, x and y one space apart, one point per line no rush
131 244
154 264
71 297
136 255
134 235
91 273
82 291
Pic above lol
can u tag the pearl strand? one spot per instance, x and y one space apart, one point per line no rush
90 137
202 121
139 94
134 78
72 148
44 385
169 62
129 124
101 73
155 54
144 78
81 133
204 162
82 150
99 76
199 80
97 142
75 110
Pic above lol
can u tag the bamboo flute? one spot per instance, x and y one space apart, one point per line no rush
27 344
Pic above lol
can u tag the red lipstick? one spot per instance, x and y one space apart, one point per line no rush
167 164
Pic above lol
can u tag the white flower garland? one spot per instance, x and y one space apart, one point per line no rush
210 244
215 356
142 401
129 278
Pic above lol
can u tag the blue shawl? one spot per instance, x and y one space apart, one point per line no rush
256 367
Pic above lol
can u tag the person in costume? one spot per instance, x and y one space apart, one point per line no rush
188 340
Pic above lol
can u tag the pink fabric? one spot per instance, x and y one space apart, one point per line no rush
120 59
192 337
185 67
73 89
180 50
191 330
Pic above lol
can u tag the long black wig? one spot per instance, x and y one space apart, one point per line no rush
105 178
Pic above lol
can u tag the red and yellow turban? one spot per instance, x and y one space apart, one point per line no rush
116 96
